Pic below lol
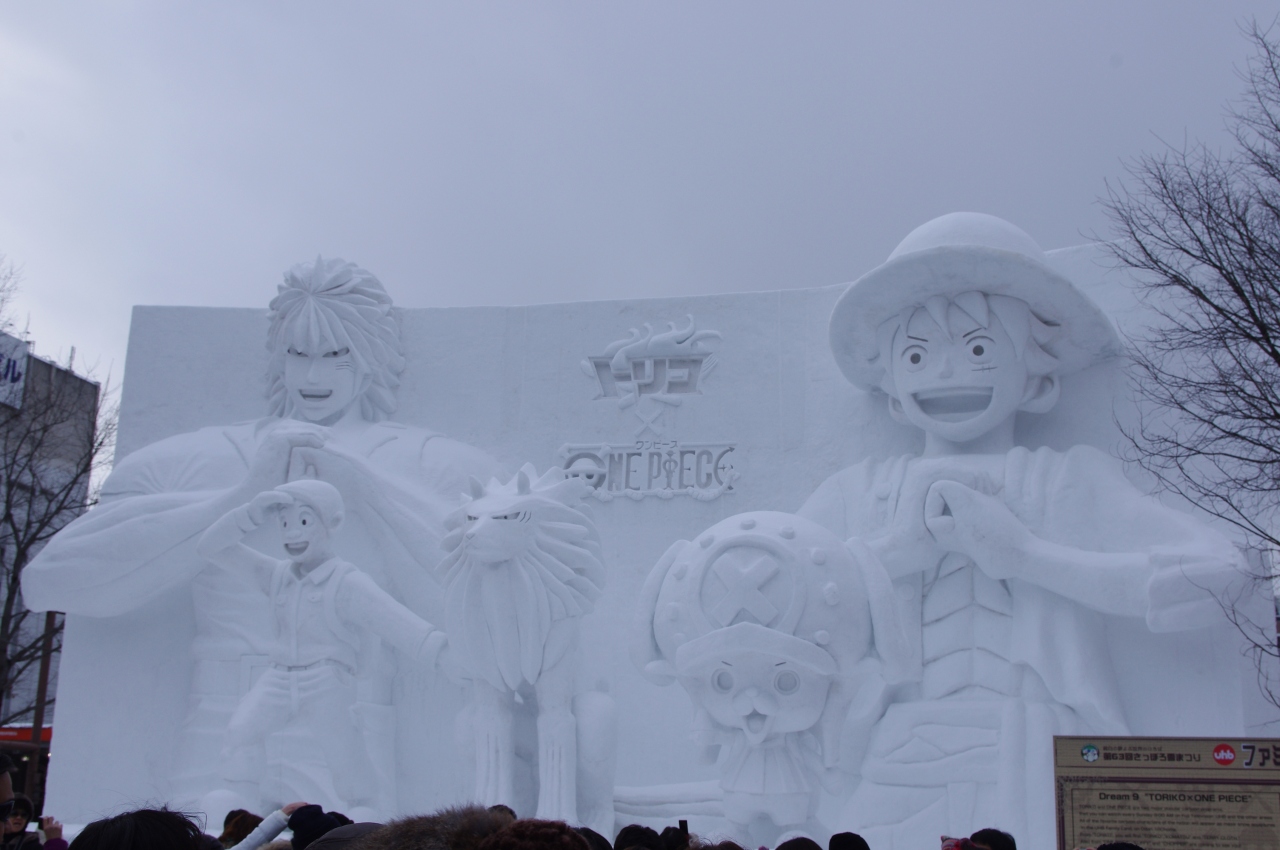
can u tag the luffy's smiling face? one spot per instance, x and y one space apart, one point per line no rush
957 385
321 383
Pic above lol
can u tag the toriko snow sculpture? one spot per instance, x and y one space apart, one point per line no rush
321 605
1008 561
332 377
524 566
766 622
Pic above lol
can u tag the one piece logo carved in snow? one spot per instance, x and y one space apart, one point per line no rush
650 374
663 366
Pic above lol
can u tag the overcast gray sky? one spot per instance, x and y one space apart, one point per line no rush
515 153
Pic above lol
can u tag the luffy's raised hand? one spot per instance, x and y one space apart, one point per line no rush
908 545
963 520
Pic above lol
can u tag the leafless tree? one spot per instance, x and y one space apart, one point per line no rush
1202 228
53 451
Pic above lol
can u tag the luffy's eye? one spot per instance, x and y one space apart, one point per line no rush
914 358
296 353
341 352
980 349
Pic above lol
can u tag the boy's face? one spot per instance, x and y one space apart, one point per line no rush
305 537
958 388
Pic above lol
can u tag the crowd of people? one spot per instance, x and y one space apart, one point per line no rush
456 828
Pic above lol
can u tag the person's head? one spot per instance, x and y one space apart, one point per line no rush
993 839
236 825
144 829
964 326
635 835
334 344
847 841
453 828
22 814
313 511
535 835
595 840
800 842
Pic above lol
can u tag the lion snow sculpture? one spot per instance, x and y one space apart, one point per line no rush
524 564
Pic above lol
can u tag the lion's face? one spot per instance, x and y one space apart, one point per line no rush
498 529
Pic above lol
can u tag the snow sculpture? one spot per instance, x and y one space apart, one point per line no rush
766 622
524 566
1008 562
321 605
332 380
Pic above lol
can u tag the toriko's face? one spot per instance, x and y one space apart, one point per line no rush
760 694
305 537
322 384
958 388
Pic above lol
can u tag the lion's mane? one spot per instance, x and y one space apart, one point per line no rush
498 618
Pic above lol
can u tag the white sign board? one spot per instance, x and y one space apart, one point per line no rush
13 370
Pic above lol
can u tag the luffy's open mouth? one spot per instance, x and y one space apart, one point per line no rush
295 549
315 395
953 405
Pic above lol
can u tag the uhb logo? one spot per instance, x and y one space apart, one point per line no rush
1224 754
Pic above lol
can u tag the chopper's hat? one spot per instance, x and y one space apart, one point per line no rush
957 253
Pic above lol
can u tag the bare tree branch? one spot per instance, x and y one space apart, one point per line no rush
1202 227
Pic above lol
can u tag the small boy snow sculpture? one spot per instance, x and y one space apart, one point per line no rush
766 622
1007 561
321 604
524 565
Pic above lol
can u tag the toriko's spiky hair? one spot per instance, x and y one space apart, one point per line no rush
333 302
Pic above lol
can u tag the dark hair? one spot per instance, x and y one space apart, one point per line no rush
22 805
455 827
847 841
674 838
595 839
635 835
800 842
144 829
503 808
237 825
535 835
1118 845
994 839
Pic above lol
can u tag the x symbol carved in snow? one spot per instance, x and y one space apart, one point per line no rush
743 588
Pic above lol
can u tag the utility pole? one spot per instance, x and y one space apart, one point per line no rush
34 782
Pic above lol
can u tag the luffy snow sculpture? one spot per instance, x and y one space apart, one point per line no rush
1006 560
332 378
524 566
766 623
321 605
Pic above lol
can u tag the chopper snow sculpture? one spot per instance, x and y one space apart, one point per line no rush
524 565
766 622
